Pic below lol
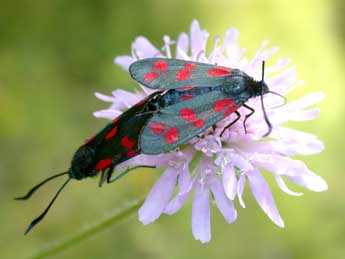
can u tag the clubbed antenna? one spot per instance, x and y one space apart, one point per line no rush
262 102
33 189
40 217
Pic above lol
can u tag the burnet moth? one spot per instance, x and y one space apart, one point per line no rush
190 98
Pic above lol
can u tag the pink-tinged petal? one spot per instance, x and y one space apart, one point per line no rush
294 142
280 64
294 170
281 82
232 50
185 184
106 98
109 114
308 179
304 115
240 189
243 164
229 182
158 197
161 160
201 225
124 61
224 204
305 101
263 196
198 40
182 46
143 48
284 187
125 99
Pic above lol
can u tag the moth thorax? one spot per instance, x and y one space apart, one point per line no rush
235 85
259 88
83 163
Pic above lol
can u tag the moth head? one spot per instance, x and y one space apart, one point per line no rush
83 163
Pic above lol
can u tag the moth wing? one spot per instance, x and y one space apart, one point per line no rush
164 73
180 122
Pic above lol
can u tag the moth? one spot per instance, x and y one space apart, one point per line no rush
190 97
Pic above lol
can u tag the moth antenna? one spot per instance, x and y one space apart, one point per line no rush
266 118
262 103
275 93
263 71
40 217
33 189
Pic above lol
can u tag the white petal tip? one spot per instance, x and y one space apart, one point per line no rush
204 240
145 220
316 183
280 224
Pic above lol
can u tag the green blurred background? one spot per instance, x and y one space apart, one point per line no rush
55 54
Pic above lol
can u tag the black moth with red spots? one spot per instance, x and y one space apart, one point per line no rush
191 97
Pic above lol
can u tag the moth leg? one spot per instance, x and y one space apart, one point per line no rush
151 98
232 123
105 175
247 116
109 180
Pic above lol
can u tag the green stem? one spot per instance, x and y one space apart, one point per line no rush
90 231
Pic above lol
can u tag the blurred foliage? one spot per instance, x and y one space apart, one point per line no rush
55 54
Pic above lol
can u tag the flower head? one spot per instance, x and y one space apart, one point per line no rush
225 163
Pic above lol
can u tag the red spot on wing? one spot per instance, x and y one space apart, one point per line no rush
190 66
225 68
186 88
171 136
90 139
157 128
140 103
111 133
230 110
150 76
131 153
199 123
104 163
161 65
222 104
127 143
186 97
116 119
188 114
219 71
183 74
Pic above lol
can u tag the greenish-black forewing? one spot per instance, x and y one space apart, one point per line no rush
155 138
119 139
164 73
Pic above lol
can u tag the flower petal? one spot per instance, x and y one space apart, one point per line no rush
198 40
229 182
201 226
158 197
294 142
143 48
109 114
284 188
124 61
295 170
240 189
224 204
185 186
182 46
263 196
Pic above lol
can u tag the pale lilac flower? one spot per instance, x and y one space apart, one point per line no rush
226 163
